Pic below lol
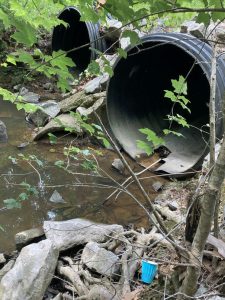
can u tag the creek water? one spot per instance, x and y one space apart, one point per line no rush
86 202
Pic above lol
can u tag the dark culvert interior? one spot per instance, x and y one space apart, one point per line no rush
73 36
136 100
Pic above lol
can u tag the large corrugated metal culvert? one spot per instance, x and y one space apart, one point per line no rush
78 34
135 97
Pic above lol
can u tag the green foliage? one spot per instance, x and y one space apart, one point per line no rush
178 119
179 92
52 138
134 38
176 96
12 203
151 137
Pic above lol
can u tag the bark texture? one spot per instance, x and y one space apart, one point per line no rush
189 285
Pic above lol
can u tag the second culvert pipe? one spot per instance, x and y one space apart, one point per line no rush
82 36
135 97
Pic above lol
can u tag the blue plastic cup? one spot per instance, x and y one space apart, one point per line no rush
148 271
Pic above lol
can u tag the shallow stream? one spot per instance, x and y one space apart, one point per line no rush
79 201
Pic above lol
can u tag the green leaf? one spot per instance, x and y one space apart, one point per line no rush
94 68
122 53
109 70
12 203
59 163
144 146
178 119
167 131
180 85
23 197
170 95
5 19
13 160
52 138
28 107
11 59
203 18
134 38
152 137
105 142
25 33
2 229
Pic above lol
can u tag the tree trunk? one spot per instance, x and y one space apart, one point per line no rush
189 285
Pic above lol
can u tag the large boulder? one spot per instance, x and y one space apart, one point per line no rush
3 132
67 234
31 274
100 260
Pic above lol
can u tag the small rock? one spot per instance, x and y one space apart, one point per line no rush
97 84
2 258
3 133
22 145
47 110
17 87
23 91
194 28
93 86
118 165
67 234
173 205
31 273
100 260
51 215
56 198
25 237
157 186
48 86
6 268
31 97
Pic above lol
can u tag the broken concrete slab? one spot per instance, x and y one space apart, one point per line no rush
59 124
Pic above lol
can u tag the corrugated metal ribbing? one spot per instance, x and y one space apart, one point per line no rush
135 97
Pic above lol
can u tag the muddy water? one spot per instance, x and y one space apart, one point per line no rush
79 201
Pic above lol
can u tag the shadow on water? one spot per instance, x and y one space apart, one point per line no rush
78 201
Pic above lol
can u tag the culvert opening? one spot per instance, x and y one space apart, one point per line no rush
73 36
136 100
